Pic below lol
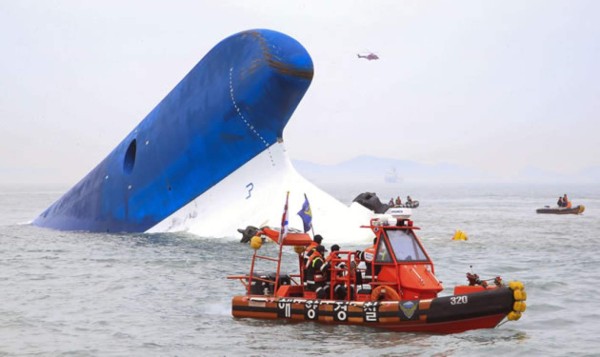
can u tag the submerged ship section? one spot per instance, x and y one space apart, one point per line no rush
231 107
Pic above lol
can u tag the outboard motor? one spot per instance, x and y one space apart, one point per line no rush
372 202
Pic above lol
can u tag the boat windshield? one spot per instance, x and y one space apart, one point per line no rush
405 246
383 255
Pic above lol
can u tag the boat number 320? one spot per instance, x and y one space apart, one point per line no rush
458 300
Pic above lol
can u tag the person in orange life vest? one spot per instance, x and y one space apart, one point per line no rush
311 247
367 256
339 289
315 278
398 201
566 201
308 252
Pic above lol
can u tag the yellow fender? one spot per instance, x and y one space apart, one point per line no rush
519 306
520 295
516 285
513 316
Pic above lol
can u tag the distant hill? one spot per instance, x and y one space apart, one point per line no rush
375 169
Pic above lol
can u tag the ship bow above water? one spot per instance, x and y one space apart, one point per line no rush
228 111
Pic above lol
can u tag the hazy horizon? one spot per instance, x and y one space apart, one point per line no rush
507 89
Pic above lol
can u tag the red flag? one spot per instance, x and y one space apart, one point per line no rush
284 220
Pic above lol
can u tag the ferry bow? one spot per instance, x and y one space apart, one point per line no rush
211 150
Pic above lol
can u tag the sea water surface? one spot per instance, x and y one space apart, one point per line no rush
88 294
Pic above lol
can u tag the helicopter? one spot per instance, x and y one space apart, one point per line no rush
370 56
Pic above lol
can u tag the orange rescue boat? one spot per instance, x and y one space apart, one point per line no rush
401 296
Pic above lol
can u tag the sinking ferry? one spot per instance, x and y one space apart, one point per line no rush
210 156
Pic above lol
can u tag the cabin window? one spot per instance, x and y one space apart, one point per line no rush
405 246
383 253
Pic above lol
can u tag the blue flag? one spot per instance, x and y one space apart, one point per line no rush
306 214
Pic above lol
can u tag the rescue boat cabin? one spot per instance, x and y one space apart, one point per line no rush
396 268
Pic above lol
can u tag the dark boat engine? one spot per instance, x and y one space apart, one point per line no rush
372 202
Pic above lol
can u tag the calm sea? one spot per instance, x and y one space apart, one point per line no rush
83 294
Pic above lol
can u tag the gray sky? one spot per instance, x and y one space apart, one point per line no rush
494 85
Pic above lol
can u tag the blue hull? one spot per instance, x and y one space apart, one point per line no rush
233 105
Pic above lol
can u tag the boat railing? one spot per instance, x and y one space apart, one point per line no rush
344 269
294 281
246 280
252 276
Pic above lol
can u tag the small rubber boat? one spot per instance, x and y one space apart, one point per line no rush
411 204
370 201
402 295
561 210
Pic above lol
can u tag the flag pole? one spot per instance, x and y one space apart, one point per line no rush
282 234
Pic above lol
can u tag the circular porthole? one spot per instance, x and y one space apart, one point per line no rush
130 157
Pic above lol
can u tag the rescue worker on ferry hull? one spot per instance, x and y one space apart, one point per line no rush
315 279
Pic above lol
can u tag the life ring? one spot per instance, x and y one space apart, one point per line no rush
385 293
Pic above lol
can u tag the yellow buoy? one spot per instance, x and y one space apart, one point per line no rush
460 235
256 242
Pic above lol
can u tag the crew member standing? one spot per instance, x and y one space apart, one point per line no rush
339 269
315 279
367 256
308 252
311 247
